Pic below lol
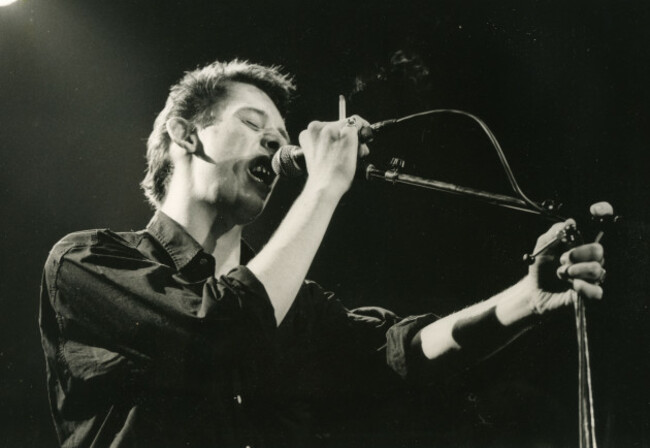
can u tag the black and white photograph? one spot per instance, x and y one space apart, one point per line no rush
325 224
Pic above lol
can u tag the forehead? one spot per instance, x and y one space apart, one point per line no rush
241 96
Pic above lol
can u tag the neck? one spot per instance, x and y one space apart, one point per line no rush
214 233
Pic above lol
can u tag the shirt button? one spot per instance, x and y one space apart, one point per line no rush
203 261
238 399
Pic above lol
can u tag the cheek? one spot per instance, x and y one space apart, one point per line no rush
226 145
209 181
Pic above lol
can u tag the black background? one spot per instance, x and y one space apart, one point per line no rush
564 86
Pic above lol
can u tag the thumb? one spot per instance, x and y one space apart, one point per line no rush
552 233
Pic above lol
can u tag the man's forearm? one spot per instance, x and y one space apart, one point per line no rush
283 263
499 318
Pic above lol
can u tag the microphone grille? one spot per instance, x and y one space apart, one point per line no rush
283 163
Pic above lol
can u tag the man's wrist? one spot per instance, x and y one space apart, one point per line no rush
515 305
484 333
323 192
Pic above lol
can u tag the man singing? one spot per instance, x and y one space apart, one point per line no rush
179 335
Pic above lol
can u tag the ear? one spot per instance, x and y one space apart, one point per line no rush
182 133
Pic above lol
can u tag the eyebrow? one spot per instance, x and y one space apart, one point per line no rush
282 131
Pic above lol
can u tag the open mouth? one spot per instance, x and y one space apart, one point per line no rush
260 169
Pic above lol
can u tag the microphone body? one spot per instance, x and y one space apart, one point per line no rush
289 160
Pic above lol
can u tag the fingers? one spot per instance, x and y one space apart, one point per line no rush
586 252
348 127
306 136
352 125
356 121
583 268
311 134
588 290
363 151
331 152
592 271
327 132
336 131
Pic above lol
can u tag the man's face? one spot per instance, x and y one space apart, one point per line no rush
236 175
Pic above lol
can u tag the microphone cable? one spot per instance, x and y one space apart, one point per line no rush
493 140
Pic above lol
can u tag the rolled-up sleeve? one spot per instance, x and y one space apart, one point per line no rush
407 361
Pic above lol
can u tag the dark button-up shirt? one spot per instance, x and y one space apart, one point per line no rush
145 347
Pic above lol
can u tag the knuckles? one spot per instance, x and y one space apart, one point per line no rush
334 130
360 120
593 270
598 251
302 137
315 127
588 290
586 252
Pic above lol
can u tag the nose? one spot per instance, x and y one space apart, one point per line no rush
271 142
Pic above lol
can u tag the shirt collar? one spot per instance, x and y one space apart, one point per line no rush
180 246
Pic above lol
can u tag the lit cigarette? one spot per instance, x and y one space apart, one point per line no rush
342 113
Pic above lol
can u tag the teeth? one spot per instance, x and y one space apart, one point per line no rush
260 170
261 173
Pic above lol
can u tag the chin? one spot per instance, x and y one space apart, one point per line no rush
239 207
249 212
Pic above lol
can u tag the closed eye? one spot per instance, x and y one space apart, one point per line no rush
252 125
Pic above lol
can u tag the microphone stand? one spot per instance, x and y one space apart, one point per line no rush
547 209
395 176
586 428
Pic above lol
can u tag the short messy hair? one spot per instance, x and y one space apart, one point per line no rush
193 98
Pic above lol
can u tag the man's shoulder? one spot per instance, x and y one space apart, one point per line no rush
98 241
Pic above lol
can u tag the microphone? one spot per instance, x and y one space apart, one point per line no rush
289 161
